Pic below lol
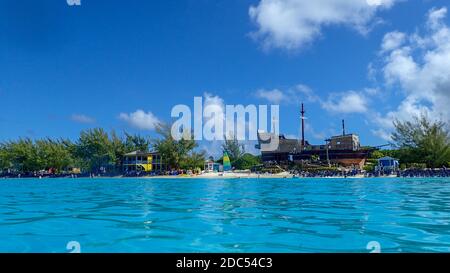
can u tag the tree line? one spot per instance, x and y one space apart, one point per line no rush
96 150
93 151
420 142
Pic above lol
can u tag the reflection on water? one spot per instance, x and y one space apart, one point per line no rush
260 215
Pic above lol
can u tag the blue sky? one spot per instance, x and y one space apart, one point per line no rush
67 68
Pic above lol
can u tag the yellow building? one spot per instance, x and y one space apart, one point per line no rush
142 162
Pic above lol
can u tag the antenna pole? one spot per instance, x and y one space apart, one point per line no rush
343 127
303 126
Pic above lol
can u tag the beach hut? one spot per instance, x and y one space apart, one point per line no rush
387 164
211 166
142 161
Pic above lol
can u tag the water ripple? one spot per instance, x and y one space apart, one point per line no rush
265 215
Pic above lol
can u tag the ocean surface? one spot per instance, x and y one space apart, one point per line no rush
234 215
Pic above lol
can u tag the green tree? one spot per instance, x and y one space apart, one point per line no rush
195 160
136 143
24 156
120 146
422 141
174 152
54 154
5 161
117 150
233 149
247 161
95 149
377 154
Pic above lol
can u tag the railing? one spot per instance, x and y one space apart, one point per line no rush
133 162
141 162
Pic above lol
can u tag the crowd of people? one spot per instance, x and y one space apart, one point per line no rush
326 173
413 173
443 172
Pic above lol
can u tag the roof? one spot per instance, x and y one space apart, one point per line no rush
344 136
140 153
387 158
286 145
289 145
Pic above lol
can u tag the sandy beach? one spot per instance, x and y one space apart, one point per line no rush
240 175
226 175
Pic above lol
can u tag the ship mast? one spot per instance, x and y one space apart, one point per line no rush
303 126
343 127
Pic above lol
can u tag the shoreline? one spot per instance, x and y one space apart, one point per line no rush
221 177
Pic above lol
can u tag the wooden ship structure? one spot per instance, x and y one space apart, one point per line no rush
341 150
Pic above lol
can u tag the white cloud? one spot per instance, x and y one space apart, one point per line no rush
372 91
292 24
382 134
214 104
310 131
343 102
346 102
214 147
420 67
436 17
140 120
400 67
302 92
315 134
274 96
295 95
392 40
80 118
214 101
217 104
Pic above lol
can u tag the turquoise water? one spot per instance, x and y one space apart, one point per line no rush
239 215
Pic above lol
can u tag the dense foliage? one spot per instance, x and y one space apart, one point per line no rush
240 160
177 154
94 150
247 161
233 149
97 151
422 141
418 143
